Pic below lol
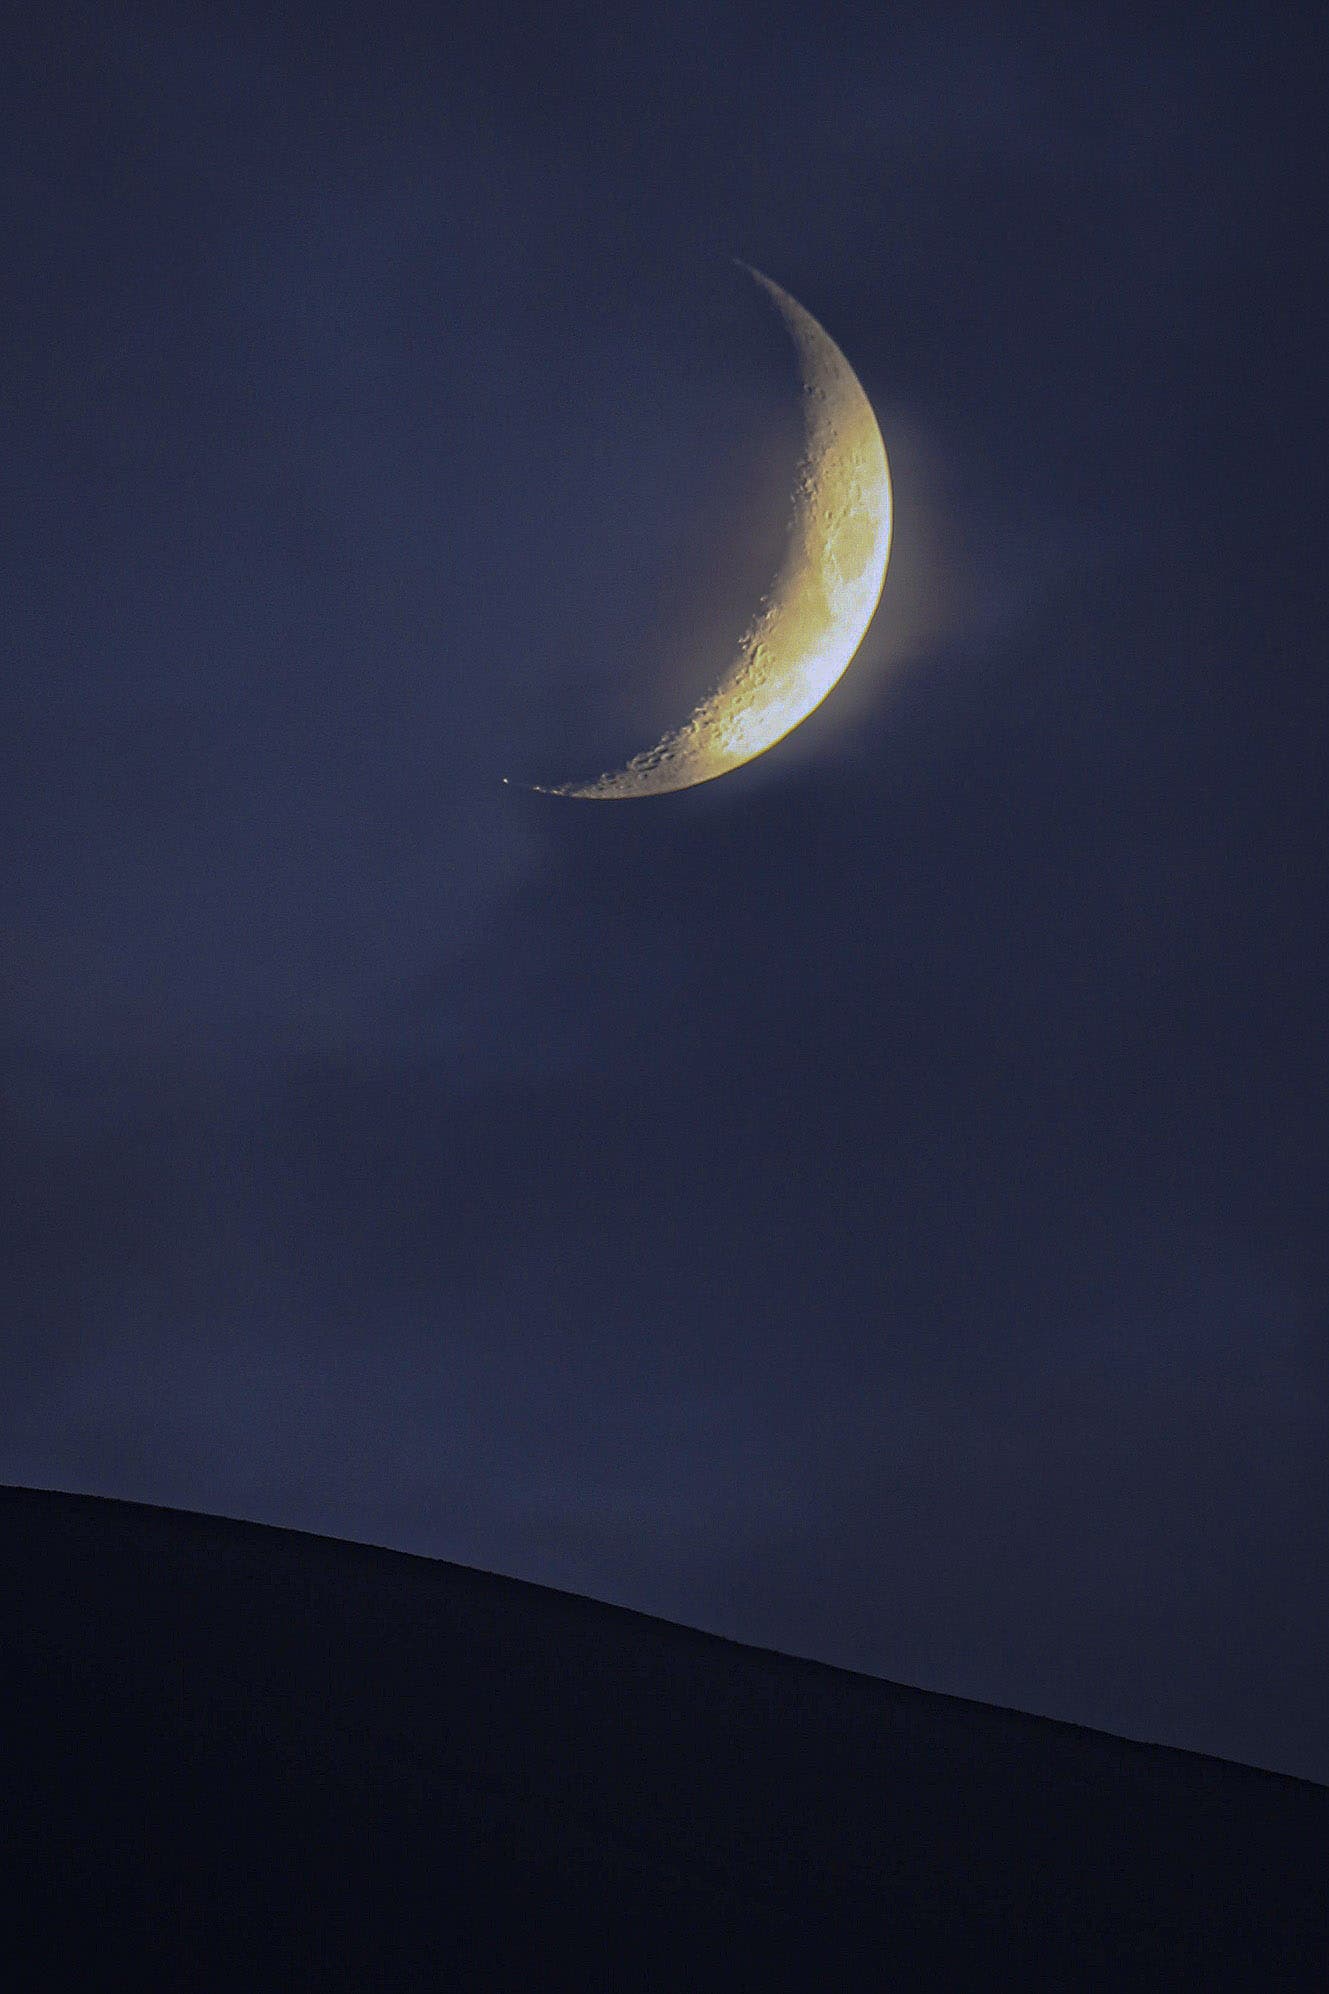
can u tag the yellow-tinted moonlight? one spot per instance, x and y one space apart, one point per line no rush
817 610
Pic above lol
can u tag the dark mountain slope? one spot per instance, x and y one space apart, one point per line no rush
243 1757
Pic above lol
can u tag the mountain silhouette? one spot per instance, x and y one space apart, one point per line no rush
243 1757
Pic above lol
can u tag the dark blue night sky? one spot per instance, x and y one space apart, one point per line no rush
872 1205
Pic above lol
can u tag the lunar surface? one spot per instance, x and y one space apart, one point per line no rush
814 616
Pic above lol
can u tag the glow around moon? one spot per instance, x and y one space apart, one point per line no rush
817 610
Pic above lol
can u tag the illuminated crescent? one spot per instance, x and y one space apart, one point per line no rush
815 614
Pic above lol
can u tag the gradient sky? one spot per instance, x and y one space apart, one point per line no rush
872 1205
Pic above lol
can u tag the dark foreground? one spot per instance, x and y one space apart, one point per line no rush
245 1758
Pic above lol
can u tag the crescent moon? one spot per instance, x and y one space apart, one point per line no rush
817 610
